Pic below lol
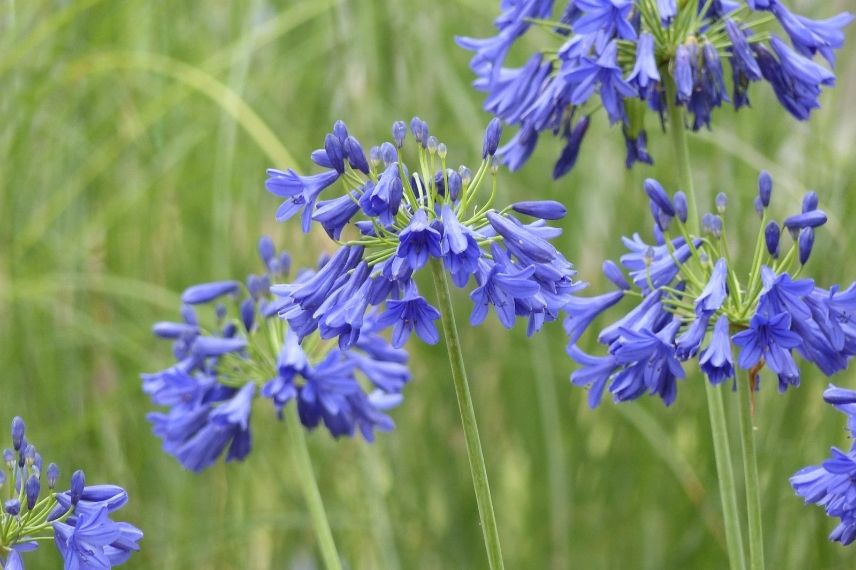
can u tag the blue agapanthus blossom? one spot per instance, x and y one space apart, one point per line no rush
392 219
632 57
231 348
78 520
832 484
690 304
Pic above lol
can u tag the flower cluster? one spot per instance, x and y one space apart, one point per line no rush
400 219
78 518
645 54
224 363
693 305
832 485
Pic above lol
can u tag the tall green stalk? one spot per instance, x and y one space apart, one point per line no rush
300 456
468 417
750 471
715 406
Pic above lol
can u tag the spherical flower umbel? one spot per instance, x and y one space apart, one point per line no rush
637 56
691 304
78 520
232 349
396 219
832 485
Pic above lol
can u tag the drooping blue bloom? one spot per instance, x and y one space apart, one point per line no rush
419 241
715 292
608 17
716 361
603 74
460 250
650 364
582 311
411 312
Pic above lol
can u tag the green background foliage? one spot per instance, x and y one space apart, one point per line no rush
134 139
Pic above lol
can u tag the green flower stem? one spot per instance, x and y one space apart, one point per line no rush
750 470
300 456
468 417
716 408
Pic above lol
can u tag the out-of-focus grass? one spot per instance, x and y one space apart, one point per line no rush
132 153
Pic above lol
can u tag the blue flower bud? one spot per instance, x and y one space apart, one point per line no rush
681 208
341 131
432 144
266 249
12 507
206 292
455 185
772 233
32 489
810 219
544 209
614 274
721 202
29 454
809 201
658 195
356 155
492 134
9 458
759 206
248 313
765 187
78 482
399 131
53 475
466 174
374 155
684 74
17 432
388 153
709 223
335 153
442 150
806 243
416 128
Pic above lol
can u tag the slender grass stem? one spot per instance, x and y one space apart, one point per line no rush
750 471
300 456
716 408
468 417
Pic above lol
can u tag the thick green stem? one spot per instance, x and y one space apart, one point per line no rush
468 417
750 471
716 408
300 456
725 475
682 155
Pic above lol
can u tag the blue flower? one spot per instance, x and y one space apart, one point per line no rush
604 73
715 361
582 311
770 339
607 17
715 292
418 241
500 285
460 250
650 364
411 312
384 198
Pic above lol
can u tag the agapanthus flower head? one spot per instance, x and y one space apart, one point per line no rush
412 215
636 57
832 484
692 300
227 359
78 519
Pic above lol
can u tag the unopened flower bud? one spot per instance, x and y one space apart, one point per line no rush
399 131
809 201
806 243
492 134
681 208
721 202
765 187
772 234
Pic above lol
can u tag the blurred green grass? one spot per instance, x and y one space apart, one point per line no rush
132 153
